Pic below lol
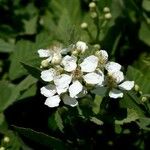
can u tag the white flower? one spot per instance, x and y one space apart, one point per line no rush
94 78
89 64
75 88
114 82
53 55
48 90
53 101
48 75
44 53
69 63
62 83
112 66
81 46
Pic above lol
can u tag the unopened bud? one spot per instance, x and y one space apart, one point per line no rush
81 46
136 88
144 99
140 92
106 10
92 5
6 139
93 15
56 59
84 25
97 46
44 63
108 16
2 148
75 52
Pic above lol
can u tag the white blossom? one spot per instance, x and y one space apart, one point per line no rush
48 75
112 66
115 83
53 101
81 46
89 64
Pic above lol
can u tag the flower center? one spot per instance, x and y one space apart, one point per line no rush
77 73
111 81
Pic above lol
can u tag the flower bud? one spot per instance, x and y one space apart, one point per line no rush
44 63
81 46
75 52
93 15
56 58
2 148
92 5
136 88
108 16
84 25
106 10
6 139
97 46
144 99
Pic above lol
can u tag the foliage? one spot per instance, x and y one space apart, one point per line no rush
98 121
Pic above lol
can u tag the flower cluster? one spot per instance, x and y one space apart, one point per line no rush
70 75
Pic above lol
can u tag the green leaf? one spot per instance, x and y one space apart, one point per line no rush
14 91
30 92
24 52
144 33
30 26
59 121
131 116
6 90
141 79
6 47
144 123
41 138
130 102
146 5
35 72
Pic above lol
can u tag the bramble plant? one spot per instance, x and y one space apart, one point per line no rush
74 74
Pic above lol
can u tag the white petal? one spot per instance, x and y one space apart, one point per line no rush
93 78
103 56
62 83
112 66
81 46
70 101
127 85
117 76
44 53
48 75
52 101
61 89
48 90
89 64
75 88
82 93
114 93
69 63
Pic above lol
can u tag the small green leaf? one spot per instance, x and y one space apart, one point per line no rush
30 25
6 47
59 121
35 72
144 33
42 138
26 52
144 123
131 116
